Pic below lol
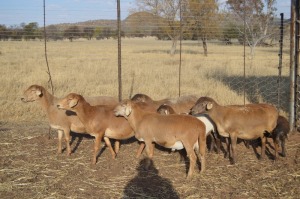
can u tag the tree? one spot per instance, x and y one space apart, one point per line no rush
98 33
230 32
16 33
203 20
3 33
107 32
258 14
31 31
169 10
72 32
88 32
53 33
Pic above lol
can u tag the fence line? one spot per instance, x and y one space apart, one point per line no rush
193 39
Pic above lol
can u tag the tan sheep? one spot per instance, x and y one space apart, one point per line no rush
61 120
170 131
99 121
182 104
248 122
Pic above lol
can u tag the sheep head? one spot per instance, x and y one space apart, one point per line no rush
33 93
124 109
203 105
69 102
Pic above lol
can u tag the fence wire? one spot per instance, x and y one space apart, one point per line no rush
216 32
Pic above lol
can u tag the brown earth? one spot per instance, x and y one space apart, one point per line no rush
30 168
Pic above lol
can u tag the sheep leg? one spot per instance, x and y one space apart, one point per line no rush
140 150
201 142
217 141
227 153
108 144
212 142
192 157
68 138
276 147
263 146
233 138
149 151
247 143
96 148
60 135
117 146
283 147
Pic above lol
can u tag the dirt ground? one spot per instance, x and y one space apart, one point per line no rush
30 168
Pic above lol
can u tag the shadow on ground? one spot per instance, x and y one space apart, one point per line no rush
148 183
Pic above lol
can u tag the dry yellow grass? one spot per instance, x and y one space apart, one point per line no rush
90 68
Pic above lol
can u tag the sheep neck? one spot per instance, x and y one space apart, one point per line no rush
84 111
135 117
216 114
47 101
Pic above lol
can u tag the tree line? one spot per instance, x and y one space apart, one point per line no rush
32 31
249 22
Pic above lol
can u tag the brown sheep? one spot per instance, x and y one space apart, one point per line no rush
209 124
280 134
182 104
170 131
62 121
99 121
247 122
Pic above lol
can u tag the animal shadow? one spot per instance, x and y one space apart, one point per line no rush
257 144
148 183
79 137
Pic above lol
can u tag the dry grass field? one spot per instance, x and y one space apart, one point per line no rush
90 68
30 167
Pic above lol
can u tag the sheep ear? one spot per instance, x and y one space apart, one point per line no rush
38 92
209 106
127 110
73 103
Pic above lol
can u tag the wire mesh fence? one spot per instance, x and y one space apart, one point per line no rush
227 45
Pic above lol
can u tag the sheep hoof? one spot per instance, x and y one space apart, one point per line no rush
188 178
94 162
261 158
232 162
226 155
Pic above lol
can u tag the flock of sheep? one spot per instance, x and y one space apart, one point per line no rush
182 123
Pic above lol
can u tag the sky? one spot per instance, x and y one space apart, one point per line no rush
15 12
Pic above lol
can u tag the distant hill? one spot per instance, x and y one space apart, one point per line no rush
139 22
91 23
143 23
